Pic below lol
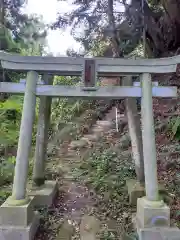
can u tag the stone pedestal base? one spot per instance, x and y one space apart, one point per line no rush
44 196
9 232
152 221
18 222
137 190
152 214
159 233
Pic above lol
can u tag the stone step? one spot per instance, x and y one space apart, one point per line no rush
70 153
104 123
77 144
72 162
89 227
97 129
91 137
66 231
69 177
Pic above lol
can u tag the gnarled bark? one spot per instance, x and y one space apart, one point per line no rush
163 33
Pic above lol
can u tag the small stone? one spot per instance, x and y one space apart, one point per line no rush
104 123
91 137
65 232
97 129
125 215
77 144
112 225
106 196
89 227
85 129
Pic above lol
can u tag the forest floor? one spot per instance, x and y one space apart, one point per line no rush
91 171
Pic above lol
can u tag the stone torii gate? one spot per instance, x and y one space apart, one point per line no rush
17 218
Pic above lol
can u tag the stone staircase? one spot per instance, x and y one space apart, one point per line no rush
78 196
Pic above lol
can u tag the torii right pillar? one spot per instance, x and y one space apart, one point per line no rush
152 213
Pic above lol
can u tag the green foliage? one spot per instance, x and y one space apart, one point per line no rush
7 42
174 127
10 126
7 170
10 113
109 235
68 81
20 32
26 35
137 52
4 194
65 109
13 102
105 171
98 48
103 23
32 36
105 168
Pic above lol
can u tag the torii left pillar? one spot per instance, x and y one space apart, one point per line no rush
17 218
43 191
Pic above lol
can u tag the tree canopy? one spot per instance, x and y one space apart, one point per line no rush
18 30
119 24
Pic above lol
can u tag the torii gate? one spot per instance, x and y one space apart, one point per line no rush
18 221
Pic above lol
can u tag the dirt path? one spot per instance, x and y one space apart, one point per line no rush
71 216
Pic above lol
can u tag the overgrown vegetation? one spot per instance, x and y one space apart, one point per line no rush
105 171
106 168
63 112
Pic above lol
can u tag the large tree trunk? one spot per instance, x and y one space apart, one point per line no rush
163 33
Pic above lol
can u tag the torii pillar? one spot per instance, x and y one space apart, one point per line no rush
44 192
151 211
